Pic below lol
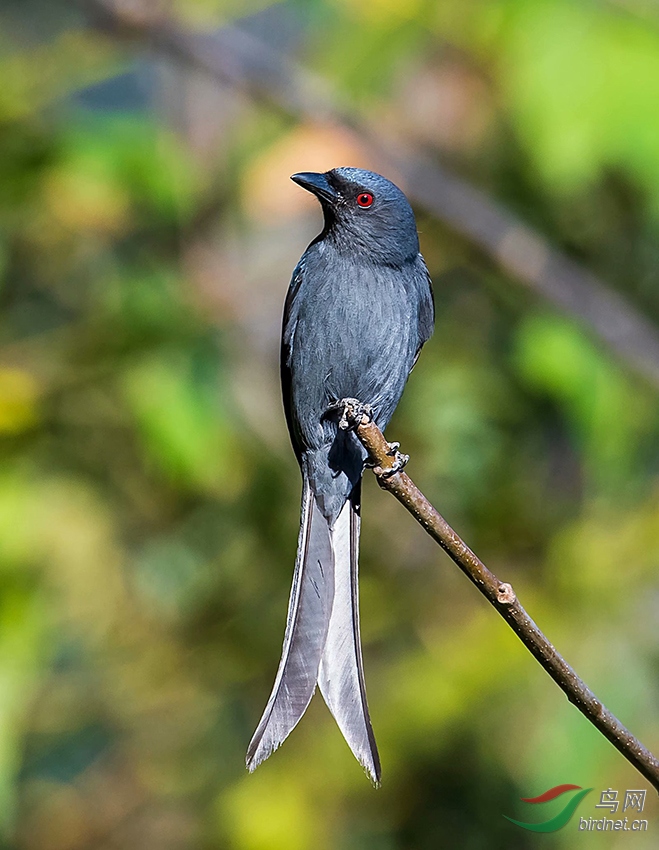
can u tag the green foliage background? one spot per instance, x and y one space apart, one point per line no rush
148 494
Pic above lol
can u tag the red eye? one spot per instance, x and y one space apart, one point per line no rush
365 199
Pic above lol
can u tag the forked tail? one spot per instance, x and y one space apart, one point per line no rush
306 629
341 674
321 642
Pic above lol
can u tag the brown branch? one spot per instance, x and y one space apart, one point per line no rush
237 59
500 594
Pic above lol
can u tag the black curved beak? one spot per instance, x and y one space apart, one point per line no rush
317 184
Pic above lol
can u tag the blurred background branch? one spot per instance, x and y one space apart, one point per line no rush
238 59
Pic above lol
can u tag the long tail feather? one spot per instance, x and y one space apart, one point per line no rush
306 629
341 674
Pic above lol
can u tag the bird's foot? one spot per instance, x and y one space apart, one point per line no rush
353 413
400 462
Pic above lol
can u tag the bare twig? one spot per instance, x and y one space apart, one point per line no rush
235 58
500 594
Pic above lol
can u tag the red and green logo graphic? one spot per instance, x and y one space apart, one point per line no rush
559 820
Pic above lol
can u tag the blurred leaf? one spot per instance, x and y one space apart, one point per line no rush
285 821
149 166
33 77
185 428
23 652
608 415
583 82
18 400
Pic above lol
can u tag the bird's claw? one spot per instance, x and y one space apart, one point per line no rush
400 462
353 413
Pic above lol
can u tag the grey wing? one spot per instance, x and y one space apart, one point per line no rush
426 303
289 324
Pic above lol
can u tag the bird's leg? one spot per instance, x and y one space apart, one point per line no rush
353 413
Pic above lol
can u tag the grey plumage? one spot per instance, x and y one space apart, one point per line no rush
357 312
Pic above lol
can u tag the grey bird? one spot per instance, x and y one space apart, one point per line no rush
359 308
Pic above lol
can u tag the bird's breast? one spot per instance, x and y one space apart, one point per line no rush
356 336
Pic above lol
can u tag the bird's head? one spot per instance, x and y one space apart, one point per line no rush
364 212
